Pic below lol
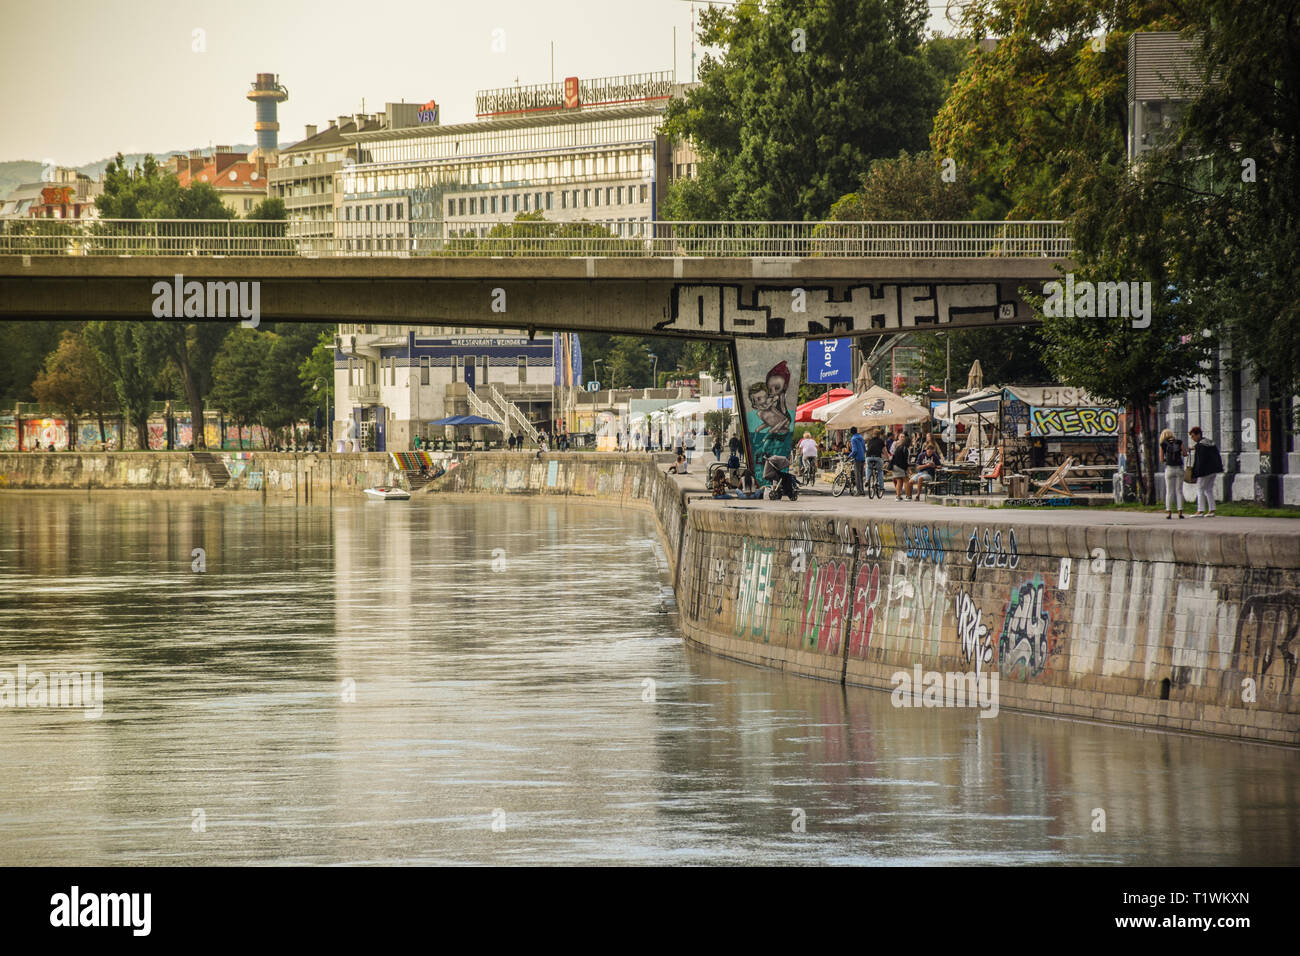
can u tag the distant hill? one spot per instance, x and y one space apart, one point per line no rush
16 172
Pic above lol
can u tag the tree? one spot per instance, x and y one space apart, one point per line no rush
1234 172
26 345
1008 355
316 374
237 376
561 238
805 93
909 187
149 191
1050 93
191 347
629 363
128 352
269 209
75 382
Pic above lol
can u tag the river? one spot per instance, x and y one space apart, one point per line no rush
499 681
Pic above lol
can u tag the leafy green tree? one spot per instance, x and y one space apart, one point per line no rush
1050 93
1008 355
237 375
25 347
269 209
316 373
191 347
805 93
128 352
629 363
149 191
1234 173
909 187
75 382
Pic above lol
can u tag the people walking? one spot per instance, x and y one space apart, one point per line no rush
858 452
898 464
733 445
690 444
1171 452
1206 464
717 448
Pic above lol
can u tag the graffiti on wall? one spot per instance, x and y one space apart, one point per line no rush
990 551
754 590
780 312
1023 643
976 648
1268 630
1074 422
825 599
866 595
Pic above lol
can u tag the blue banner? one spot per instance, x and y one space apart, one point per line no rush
829 361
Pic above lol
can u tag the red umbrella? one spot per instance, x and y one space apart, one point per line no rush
804 412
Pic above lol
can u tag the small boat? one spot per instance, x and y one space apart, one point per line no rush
388 494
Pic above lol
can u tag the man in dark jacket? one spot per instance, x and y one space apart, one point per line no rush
1206 465
858 452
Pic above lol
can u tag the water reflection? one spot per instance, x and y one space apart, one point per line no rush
517 690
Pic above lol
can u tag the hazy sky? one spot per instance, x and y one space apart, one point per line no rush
83 79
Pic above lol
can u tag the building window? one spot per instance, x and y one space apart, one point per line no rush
457 375
609 195
620 195
424 370
388 210
461 207
399 210
473 206
564 199
522 365
586 197
537 201
451 207
514 203
494 203
645 192
595 197
526 197
483 372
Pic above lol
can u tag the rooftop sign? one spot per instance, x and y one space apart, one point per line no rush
574 93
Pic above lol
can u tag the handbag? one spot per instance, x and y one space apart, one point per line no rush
1187 475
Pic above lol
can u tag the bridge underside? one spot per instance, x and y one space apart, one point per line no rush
698 298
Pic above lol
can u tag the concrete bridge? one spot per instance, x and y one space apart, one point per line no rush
732 281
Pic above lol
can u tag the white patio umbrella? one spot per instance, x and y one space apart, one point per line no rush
877 406
829 411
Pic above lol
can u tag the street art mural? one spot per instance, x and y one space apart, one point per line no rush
825 600
46 432
1073 422
769 388
1026 625
754 591
778 312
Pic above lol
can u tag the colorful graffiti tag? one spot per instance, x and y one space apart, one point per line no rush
1023 643
1074 422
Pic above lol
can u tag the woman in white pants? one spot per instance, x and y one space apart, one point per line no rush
1171 453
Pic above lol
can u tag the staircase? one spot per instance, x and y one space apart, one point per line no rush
511 416
215 468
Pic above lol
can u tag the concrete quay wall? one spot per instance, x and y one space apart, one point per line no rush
281 476
1194 632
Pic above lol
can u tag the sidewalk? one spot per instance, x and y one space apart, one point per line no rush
818 500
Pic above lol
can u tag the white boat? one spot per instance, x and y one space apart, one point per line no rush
388 494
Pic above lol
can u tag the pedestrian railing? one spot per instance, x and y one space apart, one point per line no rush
408 238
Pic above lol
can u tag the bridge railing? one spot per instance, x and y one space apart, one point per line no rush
406 238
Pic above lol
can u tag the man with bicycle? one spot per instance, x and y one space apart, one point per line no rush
858 452
808 452
876 461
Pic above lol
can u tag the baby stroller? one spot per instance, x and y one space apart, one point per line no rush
776 469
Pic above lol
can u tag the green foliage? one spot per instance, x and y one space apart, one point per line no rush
271 208
191 347
628 364
908 187
1043 99
522 235
237 373
128 352
149 191
74 381
782 132
1008 355
25 346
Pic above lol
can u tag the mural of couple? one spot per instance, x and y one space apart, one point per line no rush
770 373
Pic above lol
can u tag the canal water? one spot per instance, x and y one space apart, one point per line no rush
500 681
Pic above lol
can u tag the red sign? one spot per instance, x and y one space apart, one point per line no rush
571 99
56 195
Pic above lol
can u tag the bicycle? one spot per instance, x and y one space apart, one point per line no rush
875 479
844 478
807 471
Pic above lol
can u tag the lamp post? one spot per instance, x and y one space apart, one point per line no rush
654 381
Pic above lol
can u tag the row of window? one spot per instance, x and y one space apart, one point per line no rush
564 135
375 212
613 162
364 372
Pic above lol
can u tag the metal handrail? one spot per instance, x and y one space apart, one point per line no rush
510 410
407 238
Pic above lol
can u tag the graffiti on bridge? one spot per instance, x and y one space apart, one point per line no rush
778 312
1023 644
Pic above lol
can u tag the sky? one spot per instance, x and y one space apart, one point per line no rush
84 79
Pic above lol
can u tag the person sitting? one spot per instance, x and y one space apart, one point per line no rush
680 467
748 487
720 488
926 465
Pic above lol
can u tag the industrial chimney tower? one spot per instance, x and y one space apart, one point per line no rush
267 93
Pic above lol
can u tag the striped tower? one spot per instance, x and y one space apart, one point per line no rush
267 94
